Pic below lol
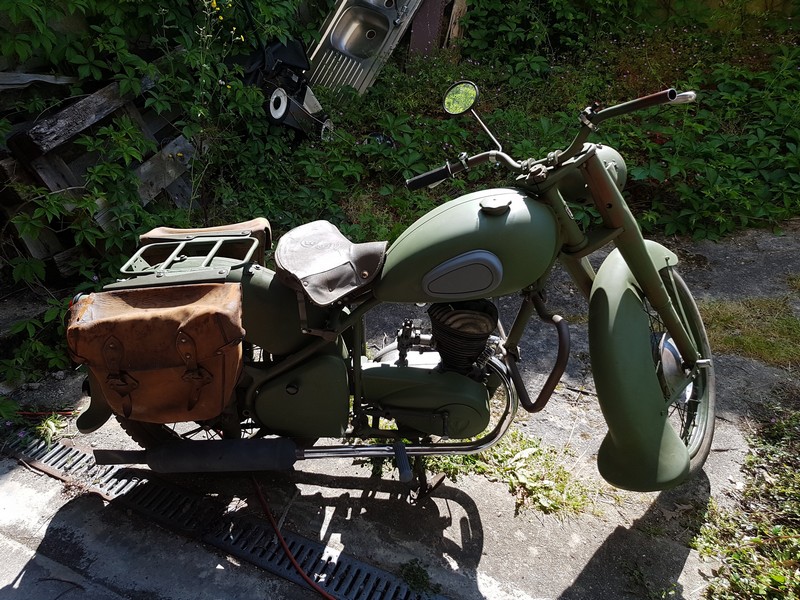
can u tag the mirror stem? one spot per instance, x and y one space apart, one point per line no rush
486 129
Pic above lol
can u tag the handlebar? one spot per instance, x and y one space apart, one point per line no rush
590 117
463 163
431 178
656 99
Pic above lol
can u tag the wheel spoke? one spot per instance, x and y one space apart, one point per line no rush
689 393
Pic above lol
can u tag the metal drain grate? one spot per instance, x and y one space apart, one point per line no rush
202 518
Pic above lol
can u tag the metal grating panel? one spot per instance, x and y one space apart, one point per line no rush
200 517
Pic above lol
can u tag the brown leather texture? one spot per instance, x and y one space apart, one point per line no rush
161 355
258 228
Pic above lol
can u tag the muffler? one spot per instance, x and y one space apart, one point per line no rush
207 456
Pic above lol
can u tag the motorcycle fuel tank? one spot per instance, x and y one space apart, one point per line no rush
487 243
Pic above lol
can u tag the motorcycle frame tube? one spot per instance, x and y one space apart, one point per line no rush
445 448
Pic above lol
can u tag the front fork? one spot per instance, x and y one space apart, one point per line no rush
621 226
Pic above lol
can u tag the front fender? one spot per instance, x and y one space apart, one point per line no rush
641 452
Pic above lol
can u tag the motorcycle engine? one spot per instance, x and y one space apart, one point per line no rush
460 331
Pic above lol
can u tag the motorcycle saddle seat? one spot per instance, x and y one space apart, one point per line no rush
317 259
258 228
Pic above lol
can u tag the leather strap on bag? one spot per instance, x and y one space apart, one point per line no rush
118 380
195 374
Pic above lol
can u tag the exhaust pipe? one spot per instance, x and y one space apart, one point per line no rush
208 456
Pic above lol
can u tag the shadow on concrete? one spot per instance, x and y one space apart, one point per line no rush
373 520
111 550
651 558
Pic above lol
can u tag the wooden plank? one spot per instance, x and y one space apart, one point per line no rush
130 110
11 80
163 168
65 261
454 31
103 216
51 132
160 125
427 27
55 173
180 191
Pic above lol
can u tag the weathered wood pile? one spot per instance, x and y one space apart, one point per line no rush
46 155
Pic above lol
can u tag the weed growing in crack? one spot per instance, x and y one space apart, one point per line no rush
758 543
537 475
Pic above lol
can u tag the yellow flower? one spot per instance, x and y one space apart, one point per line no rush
213 3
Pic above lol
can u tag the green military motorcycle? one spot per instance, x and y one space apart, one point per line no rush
213 362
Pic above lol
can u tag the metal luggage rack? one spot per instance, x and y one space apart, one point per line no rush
197 254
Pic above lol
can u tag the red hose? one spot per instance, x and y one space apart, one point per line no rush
285 546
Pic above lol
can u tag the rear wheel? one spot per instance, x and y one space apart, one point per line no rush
688 392
148 435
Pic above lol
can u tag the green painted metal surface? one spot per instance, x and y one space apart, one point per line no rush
271 316
641 451
487 243
310 401
429 401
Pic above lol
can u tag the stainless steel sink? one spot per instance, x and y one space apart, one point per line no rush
357 39
360 32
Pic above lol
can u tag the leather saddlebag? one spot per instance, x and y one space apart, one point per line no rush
163 354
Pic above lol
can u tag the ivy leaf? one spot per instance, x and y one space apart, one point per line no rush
28 270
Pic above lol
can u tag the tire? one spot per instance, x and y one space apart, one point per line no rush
148 435
692 413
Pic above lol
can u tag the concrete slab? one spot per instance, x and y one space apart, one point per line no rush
62 543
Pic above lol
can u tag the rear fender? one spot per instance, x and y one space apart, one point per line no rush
641 451
98 412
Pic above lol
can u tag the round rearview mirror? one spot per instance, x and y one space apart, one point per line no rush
460 97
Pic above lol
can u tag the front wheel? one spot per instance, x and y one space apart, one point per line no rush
659 407
688 393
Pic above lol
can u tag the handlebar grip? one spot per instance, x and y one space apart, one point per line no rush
663 97
429 178
684 98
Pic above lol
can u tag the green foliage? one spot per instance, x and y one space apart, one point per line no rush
43 345
8 411
536 475
418 578
733 161
50 428
759 544
531 32
704 170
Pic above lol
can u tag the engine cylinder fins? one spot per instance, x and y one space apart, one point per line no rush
460 331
